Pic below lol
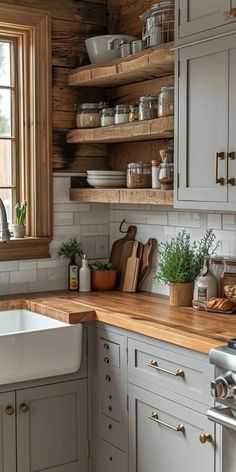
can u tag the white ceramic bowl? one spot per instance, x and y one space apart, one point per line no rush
106 183
106 172
106 48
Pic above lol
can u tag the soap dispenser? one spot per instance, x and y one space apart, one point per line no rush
205 286
85 276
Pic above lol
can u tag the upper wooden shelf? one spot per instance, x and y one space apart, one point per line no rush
123 195
154 62
160 128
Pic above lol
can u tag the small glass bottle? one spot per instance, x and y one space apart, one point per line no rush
205 286
73 275
155 174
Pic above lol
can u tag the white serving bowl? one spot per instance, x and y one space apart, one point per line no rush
108 173
106 183
106 48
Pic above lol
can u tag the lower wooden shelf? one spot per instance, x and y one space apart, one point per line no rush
124 195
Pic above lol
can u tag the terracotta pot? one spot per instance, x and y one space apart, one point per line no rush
181 294
18 231
103 280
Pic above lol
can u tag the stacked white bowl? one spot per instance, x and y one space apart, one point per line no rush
106 178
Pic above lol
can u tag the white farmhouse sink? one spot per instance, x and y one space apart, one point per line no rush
33 346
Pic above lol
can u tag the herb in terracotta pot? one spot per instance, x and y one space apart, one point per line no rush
103 276
181 262
19 227
70 250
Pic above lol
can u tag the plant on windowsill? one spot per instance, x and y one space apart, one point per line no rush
19 227
70 250
103 276
181 262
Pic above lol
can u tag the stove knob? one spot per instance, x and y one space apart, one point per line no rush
219 388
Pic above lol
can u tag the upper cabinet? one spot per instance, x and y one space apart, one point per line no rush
196 19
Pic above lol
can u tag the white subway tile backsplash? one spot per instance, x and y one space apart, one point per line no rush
9 266
61 190
214 221
23 276
63 219
27 265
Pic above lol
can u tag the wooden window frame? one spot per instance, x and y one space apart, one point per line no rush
32 27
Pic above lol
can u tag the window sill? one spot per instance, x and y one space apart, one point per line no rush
25 248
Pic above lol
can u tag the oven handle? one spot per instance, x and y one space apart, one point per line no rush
223 416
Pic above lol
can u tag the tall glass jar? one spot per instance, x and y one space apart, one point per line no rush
88 116
166 101
139 175
148 108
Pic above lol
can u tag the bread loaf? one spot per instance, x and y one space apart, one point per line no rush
220 304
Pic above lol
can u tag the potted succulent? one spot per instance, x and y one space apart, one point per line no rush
19 227
180 264
103 276
70 250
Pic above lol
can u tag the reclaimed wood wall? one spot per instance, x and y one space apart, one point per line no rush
72 22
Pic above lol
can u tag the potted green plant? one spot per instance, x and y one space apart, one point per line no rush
181 262
103 276
70 250
19 227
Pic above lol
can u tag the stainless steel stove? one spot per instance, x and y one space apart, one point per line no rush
223 389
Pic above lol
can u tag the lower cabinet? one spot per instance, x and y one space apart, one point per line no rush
45 428
165 436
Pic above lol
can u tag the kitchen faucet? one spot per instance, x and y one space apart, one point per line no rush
4 233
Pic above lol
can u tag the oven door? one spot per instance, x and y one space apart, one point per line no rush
226 418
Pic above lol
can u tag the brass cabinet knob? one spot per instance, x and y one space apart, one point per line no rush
230 14
9 410
106 360
106 346
205 437
24 408
108 378
110 408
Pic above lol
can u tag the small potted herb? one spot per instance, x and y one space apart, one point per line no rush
181 262
19 227
103 276
70 250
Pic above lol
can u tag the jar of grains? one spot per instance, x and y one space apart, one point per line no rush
108 116
88 116
148 108
122 114
166 101
139 175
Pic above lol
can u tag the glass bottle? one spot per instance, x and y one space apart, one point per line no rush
205 286
73 275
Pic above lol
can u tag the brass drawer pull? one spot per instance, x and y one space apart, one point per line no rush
230 157
24 408
230 14
179 429
9 410
205 437
178 373
219 157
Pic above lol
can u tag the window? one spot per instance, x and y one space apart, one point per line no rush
25 126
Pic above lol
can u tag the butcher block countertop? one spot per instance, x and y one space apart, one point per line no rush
142 313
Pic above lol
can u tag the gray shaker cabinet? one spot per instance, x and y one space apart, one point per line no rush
7 432
205 125
52 428
165 436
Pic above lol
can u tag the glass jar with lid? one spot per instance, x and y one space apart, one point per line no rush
122 114
108 116
133 114
139 175
88 115
148 107
166 101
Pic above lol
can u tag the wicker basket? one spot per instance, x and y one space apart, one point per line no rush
181 294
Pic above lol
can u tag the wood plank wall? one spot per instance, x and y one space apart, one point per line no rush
72 22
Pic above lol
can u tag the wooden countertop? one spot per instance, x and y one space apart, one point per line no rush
142 313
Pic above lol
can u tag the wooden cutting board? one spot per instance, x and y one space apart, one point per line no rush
146 260
132 270
118 247
127 252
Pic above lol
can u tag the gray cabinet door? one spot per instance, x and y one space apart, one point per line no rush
196 16
7 432
154 446
202 125
52 428
232 132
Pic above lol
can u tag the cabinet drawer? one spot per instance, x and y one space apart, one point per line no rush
112 459
112 400
109 353
176 372
113 432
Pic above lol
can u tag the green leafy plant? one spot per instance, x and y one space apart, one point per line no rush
94 266
70 249
181 261
21 213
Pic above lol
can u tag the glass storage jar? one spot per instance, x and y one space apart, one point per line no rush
122 114
148 108
166 101
107 117
139 175
88 116
133 114
166 176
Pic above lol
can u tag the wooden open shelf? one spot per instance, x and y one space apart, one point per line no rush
124 195
159 128
155 62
